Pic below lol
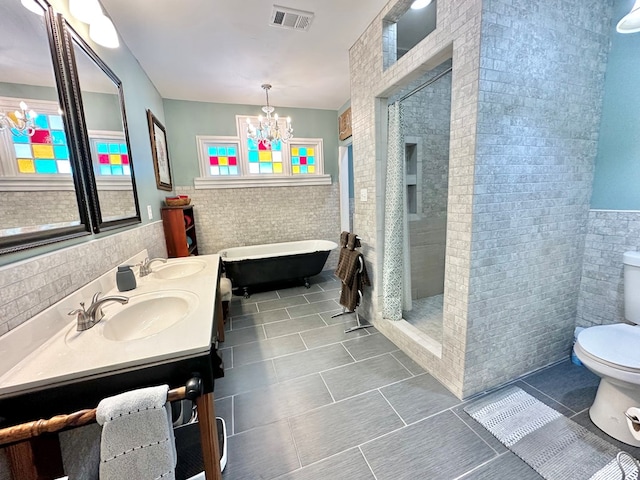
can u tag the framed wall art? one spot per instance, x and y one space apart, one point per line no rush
160 152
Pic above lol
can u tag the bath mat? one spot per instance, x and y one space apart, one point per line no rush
550 443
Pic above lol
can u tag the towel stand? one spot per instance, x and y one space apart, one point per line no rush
16 435
358 325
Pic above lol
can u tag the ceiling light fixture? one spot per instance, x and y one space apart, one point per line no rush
85 10
21 122
420 4
630 23
32 6
268 129
102 31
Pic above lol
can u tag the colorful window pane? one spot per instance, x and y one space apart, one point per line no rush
46 167
265 158
113 158
303 160
26 165
45 152
223 160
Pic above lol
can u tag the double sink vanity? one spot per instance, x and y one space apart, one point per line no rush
165 333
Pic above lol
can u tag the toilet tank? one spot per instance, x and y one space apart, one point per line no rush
631 262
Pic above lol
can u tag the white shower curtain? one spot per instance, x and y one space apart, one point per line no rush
395 222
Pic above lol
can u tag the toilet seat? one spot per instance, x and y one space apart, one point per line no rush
613 345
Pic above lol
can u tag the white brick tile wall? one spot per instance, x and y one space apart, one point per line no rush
526 94
255 216
610 233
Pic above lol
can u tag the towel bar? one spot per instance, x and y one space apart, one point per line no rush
25 431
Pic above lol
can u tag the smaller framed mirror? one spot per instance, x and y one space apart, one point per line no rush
105 147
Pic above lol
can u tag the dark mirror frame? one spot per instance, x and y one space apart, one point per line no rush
15 243
70 36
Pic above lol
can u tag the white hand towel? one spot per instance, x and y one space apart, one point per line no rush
137 436
634 412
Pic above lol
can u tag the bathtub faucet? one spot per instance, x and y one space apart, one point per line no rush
92 315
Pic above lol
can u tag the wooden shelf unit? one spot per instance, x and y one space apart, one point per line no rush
180 231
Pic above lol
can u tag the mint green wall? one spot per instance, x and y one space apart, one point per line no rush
20 91
617 174
185 120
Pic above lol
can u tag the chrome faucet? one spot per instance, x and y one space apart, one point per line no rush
145 266
92 315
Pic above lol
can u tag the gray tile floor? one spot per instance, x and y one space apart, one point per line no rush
304 400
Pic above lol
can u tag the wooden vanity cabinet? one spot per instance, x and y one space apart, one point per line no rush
180 231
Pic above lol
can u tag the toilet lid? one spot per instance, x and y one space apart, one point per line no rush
618 344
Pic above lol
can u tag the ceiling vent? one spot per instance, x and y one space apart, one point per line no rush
290 18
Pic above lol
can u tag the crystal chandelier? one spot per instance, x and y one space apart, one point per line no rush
20 121
268 129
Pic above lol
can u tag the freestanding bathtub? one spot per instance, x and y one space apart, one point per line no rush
275 262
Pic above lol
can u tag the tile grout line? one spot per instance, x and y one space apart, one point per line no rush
474 432
406 368
578 413
478 467
303 343
321 372
392 407
333 400
293 333
332 368
348 352
233 416
367 462
548 396
295 444
276 374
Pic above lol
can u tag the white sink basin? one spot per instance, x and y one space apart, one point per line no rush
146 314
180 269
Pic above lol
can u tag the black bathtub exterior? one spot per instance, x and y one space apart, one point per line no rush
257 271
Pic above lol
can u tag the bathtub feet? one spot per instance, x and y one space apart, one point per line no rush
306 283
246 292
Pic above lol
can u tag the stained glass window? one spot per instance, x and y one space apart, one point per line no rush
264 158
239 162
223 160
45 152
303 160
113 157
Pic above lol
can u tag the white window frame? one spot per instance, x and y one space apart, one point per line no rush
11 179
245 179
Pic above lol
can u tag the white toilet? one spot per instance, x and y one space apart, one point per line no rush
613 353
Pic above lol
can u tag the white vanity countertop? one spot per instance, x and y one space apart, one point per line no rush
47 350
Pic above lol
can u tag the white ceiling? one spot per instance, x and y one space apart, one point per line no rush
223 50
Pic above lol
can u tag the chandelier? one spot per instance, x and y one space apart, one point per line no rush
268 129
20 121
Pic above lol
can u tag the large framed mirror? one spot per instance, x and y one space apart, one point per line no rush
105 148
41 190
